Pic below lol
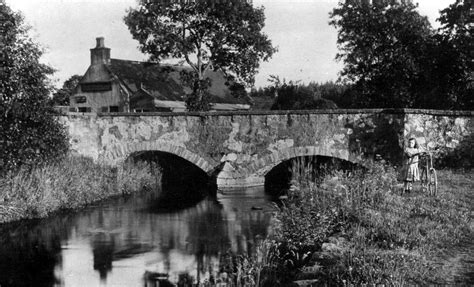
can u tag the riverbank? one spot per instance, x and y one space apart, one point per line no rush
355 229
69 184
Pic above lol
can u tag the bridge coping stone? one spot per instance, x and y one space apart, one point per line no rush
282 112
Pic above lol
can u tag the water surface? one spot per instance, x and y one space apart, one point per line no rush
133 241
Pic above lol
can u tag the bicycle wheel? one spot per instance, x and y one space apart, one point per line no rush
424 179
432 182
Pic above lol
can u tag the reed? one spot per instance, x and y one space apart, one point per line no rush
70 183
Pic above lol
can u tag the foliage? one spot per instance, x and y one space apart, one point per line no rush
221 36
30 133
293 96
135 176
380 236
237 90
234 271
328 95
61 96
200 98
454 62
461 157
394 58
71 183
335 92
382 46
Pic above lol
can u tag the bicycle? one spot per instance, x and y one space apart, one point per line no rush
429 179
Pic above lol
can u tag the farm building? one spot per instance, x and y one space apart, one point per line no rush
113 85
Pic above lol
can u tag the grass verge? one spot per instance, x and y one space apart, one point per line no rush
68 184
357 228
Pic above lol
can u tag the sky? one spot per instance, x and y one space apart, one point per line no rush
299 29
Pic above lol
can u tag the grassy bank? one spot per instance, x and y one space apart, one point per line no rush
356 228
68 184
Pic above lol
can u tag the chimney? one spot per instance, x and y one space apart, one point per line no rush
100 54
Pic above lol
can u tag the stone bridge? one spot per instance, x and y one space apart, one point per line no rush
240 148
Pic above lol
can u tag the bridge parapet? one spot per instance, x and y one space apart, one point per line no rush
247 145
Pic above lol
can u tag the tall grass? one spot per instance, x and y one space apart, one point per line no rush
70 183
357 228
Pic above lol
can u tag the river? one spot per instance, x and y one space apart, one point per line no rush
150 240
133 241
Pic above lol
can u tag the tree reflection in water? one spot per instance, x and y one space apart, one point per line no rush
29 252
131 241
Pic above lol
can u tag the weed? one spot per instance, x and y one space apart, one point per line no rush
378 235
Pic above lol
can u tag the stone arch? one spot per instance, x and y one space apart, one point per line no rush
261 167
121 151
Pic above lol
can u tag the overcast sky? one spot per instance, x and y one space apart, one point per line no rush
306 43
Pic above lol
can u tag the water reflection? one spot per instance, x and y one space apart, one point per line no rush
132 242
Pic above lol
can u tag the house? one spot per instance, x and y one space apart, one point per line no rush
113 85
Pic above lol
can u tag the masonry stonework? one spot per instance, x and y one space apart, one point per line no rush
449 134
240 148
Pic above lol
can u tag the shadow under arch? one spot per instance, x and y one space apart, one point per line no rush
119 153
278 168
312 168
183 182
268 162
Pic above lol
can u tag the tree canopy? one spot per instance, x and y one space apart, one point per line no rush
29 131
283 95
61 96
394 58
454 73
207 35
383 47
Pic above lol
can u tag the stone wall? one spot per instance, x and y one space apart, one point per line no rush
239 148
449 134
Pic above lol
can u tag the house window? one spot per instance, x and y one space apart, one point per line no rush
72 109
81 100
96 87
104 109
141 110
84 109
114 109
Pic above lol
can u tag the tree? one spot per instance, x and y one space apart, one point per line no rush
453 64
61 96
29 131
293 96
334 92
383 47
207 35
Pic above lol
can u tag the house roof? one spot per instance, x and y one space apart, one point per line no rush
162 82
